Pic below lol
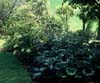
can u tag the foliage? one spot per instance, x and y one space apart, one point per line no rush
65 12
93 10
59 59
40 41
26 30
6 8
26 38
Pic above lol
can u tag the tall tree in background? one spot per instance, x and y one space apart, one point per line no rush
6 8
93 9
83 15
65 12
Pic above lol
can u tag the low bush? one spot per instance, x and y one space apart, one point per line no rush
66 59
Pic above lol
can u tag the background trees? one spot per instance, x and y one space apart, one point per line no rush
93 10
40 40
6 8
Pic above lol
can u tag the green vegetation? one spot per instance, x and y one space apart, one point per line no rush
90 10
56 40
11 71
74 21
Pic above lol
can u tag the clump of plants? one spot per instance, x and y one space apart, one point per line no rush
27 31
66 59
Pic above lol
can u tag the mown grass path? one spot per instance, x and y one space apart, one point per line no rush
10 69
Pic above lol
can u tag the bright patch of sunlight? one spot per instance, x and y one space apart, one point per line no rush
2 41
25 6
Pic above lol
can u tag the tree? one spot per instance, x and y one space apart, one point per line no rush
93 10
84 16
65 12
6 8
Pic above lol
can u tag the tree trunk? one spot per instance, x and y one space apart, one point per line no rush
83 25
98 33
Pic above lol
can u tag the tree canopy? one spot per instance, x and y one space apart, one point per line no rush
92 9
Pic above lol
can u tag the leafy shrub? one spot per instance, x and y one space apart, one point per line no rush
66 58
27 31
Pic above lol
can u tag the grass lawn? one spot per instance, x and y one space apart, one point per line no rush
10 69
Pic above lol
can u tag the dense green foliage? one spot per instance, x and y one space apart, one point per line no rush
43 42
6 8
59 59
26 29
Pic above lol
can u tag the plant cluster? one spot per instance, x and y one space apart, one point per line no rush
66 58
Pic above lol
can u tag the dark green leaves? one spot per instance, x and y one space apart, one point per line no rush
71 71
